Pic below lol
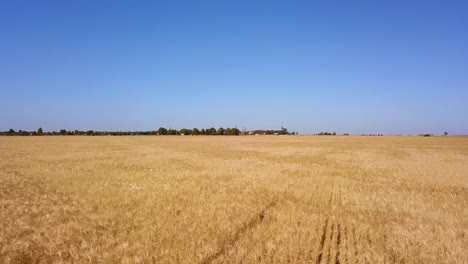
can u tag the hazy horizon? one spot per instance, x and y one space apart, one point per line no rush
338 133
363 67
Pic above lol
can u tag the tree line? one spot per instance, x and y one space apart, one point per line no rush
326 134
195 131
161 131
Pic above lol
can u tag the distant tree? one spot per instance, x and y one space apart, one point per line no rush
63 131
228 131
334 134
220 131
11 131
446 133
235 131
172 132
195 131
203 131
211 131
162 131
186 131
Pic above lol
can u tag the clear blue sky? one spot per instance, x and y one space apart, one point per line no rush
392 67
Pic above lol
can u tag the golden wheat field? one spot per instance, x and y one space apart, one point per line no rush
202 199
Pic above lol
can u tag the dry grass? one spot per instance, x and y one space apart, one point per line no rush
233 199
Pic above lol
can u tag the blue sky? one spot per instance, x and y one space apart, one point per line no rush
393 67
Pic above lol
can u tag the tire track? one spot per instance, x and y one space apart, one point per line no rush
330 243
322 241
346 244
356 250
333 241
349 239
341 197
335 200
338 244
311 250
332 246
254 221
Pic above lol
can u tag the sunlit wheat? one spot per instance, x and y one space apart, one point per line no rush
233 199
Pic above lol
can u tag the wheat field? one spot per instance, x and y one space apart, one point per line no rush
246 199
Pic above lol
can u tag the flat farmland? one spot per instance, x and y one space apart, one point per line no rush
222 199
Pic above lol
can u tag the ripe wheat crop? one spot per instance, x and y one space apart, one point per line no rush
203 199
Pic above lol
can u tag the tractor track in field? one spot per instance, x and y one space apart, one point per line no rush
334 243
322 241
250 224
254 221
338 244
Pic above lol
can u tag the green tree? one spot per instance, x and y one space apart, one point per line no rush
195 131
40 131
185 131
211 131
203 131
284 131
11 131
162 131
220 131
235 131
